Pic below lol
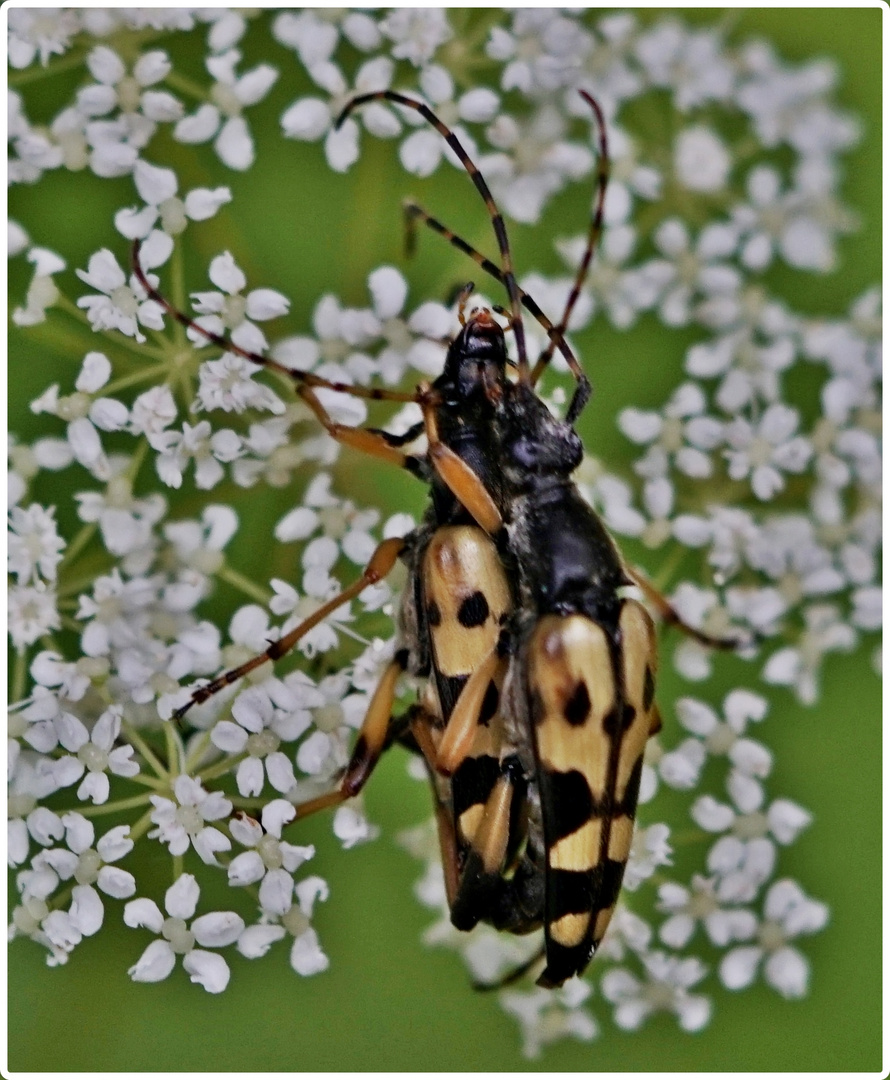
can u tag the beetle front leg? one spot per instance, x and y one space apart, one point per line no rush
381 563
464 484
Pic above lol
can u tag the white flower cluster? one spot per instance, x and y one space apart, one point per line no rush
112 565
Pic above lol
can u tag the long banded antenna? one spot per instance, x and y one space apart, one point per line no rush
475 175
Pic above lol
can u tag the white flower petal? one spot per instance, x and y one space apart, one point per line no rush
155 964
218 928
788 972
307 119
306 956
144 912
276 892
116 882
258 939
207 969
389 291
739 967
234 145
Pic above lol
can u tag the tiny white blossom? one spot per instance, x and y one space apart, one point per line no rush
727 737
127 97
158 188
423 150
306 954
118 305
184 821
649 850
543 50
700 904
787 913
701 160
667 985
177 938
687 62
34 547
42 291
684 436
744 857
765 449
799 666
31 613
546 1016
36 33
268 859
222 120
691 272
93 753
416 33
312 118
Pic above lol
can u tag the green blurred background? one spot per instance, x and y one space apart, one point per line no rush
387 1003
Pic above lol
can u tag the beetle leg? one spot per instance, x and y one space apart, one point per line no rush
512 976
669 614
381 563
370 744
466 486
368 440
457 739
481 876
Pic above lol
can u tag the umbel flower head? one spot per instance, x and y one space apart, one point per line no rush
175 507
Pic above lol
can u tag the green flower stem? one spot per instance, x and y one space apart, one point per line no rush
145 375
67 594
242 802
221 767
145 750
175 754
248 587
138 830
177 275
35 73
197 751
186 86
113 336
19 674
689 836
108 807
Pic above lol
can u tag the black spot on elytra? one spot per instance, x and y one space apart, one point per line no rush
648 689
632 790
489 704
619 719
473 611
577 708
433 614
567 802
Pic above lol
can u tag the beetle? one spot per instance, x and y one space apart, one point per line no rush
541 672
578 699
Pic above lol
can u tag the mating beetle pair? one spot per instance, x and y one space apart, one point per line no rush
540 672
